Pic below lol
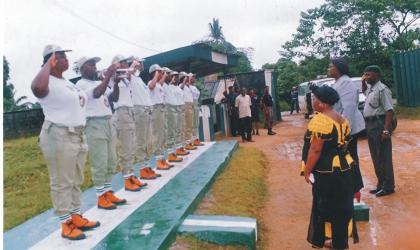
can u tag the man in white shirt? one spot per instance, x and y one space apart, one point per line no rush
196 110
179 138
189 102
100 133
143 109
124 124
243 105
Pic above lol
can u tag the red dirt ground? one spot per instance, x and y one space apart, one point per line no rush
394 219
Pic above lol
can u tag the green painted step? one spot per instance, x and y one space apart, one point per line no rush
155 224
361 212
223 230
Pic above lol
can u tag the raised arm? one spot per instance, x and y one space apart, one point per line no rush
40 83
101 88
152 85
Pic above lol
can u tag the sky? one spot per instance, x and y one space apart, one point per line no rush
91 28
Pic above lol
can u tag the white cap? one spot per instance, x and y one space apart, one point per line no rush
166 70
84 59
133 58
51 48
119 58
154 67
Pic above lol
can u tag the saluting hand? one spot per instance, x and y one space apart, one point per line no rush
52 61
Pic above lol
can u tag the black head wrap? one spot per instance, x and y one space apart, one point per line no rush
325 94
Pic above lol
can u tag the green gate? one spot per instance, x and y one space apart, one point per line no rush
406 68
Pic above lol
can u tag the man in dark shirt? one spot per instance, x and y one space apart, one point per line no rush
232 112
268 111
294 100
255 113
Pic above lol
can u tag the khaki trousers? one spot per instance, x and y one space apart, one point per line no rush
123 120
179 139
196 120
172 127
100 136
268 122
159 130
188 121
143 122
65 154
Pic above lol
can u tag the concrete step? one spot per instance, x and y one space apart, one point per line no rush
151 218
223 230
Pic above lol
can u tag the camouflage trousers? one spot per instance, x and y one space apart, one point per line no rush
268 122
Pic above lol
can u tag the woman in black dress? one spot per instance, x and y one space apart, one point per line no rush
326 158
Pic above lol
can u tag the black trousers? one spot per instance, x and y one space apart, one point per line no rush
234 123
352 148
294 103
245 124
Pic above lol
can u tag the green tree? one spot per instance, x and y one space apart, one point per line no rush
8 88
18 105
217 40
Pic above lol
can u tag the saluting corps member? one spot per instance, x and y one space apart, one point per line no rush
159 116
188 113
196 110
179 93
100 132
62 140
125 126
143 109
172 106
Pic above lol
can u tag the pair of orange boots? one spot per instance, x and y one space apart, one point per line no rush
133 184
108 201
148 174
73 227
197 142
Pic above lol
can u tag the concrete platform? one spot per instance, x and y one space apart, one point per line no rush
152 216
223 230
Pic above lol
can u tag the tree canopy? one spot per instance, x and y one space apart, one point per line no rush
362 31
217 40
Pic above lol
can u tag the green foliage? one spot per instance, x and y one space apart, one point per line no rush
7 87
217 40
363 32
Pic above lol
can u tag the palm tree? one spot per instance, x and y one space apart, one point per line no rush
17 105
216 31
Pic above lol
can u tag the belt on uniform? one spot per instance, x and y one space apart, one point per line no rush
106 117
70 128
124 108
374 118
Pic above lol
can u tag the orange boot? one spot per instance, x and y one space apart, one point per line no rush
173 158
181 151
137 182
167 164
112 198
83 223
161 165
144 174
130 186
189 146
149 170
70 231
197 142
104 203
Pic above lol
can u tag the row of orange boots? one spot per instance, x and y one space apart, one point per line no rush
73 227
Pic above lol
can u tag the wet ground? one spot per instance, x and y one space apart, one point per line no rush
394 220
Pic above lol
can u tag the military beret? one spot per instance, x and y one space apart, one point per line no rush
373 68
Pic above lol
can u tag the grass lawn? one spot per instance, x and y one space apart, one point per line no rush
411 113
26 181
239 191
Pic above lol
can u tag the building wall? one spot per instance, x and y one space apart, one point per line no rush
22 123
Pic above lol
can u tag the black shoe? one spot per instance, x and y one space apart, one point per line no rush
271 133
258 133
384 192
253 132
374 191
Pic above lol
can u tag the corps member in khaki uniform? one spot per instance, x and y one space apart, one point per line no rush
189 102
179 93
123 120
143 109
62 140
159 116
196 110
100 132
378 112
172 106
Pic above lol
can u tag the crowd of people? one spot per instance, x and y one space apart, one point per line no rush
79 119
330 159
244 112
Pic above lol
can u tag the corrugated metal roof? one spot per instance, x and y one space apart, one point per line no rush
200 59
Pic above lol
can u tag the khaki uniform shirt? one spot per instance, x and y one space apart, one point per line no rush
378 100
